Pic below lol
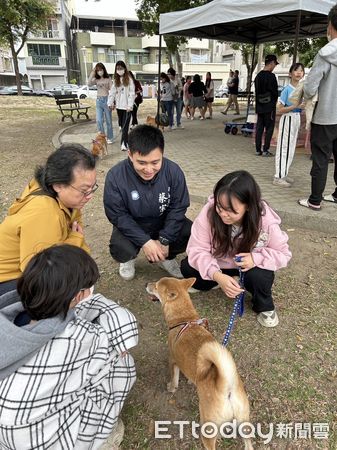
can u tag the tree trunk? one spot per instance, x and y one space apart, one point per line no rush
16 67
179 64
169 57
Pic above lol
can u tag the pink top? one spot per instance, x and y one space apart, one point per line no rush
271 251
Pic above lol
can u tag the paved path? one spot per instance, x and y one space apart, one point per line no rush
206 153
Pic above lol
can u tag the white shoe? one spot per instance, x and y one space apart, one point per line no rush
281 182
127 270
268 319
110 141
172 267
180 127
123 147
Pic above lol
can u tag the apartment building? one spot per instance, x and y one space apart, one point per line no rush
7 75
43 59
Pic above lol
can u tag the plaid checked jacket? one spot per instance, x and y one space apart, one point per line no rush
69 395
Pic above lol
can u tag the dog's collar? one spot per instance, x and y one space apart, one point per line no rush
186 325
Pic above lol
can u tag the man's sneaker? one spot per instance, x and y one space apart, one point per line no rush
127 270
267 153
258 153
116 437
173 127
268 319
281 182
172 267
180 127
110 141
123 147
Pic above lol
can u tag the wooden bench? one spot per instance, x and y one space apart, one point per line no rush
68 103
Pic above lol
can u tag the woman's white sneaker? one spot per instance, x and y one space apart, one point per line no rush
127 270
268 319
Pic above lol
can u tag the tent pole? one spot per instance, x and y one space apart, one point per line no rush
159 72
250 77
297 33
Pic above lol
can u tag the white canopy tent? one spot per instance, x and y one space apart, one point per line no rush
250 21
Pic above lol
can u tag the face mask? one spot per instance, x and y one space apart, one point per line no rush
121 72
100 73
90 296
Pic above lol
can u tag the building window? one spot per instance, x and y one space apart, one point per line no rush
138 58
44 50
44 54
200 56
115 55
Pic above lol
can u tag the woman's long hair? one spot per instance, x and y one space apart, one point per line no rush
241 185
208 80
126 77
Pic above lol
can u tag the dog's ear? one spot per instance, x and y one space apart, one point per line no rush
188 282
172 295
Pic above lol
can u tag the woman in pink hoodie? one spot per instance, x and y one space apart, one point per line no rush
235 222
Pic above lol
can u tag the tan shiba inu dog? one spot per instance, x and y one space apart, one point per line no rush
205 362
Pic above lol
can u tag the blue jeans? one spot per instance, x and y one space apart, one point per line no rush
168 106
102 110
178 106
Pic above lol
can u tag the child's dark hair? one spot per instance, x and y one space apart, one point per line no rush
60 165
102 67
241 185
332 17
296 66
145 138
196 78
52 279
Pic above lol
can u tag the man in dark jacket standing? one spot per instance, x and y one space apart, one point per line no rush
146 198
266 95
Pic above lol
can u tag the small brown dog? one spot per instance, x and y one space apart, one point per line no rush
152 121
99 145
204 361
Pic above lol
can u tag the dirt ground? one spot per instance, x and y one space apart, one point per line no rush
289 372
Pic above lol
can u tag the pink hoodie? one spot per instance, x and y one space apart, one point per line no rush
271 252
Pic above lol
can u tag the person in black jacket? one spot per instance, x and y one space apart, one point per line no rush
266 95
146 198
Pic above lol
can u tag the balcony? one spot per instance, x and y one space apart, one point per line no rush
47 34
45 62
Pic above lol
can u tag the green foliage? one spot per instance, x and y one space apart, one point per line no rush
306 50
148 12
19 17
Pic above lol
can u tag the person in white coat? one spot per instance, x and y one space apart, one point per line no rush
122 96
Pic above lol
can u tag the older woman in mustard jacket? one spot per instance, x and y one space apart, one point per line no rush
48 211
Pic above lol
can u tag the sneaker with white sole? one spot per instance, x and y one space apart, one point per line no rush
127 270
172 267
116 437
329 198
123 147
110 141
281 182
268 319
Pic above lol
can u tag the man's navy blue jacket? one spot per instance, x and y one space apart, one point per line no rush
143 210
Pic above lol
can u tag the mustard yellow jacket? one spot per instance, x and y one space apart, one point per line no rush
34 222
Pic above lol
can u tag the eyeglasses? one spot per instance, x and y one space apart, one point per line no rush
86 193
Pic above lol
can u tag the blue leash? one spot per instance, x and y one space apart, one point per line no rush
238 307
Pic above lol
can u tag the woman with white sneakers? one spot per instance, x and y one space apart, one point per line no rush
122 97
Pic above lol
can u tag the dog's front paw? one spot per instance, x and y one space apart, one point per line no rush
171 388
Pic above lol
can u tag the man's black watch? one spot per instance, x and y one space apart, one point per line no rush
163 241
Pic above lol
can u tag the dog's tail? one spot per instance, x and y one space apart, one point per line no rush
215 362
